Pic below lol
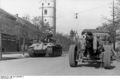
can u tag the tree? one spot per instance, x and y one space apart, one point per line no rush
113 24
74 36
37 21
63 40
115 21
26 17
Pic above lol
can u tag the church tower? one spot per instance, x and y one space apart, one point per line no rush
49 13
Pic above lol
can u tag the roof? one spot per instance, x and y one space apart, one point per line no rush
10 24
7 15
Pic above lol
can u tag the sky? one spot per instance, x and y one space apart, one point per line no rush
90 12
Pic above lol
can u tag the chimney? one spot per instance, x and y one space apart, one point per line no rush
16 17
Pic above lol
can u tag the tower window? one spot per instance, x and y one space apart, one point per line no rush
45 12
48 3
45 19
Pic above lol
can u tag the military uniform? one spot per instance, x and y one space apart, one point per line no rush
89 44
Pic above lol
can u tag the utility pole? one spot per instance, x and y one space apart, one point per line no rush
42 15
54 17
0 40
114 26
0 4
76 15
0 47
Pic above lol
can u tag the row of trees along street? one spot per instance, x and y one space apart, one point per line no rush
113 24
64 40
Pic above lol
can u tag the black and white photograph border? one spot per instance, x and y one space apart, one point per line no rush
59 38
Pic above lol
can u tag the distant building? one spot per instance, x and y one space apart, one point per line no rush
48 12
103 34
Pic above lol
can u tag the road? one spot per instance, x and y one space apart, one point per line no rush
51 66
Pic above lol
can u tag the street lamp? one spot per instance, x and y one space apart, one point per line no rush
76 15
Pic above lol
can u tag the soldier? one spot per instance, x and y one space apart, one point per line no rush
83 42
49 35
100 47
89 44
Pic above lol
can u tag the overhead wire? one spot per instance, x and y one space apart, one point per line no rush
95 8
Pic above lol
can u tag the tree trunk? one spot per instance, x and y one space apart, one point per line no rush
114 41
0 48
23 46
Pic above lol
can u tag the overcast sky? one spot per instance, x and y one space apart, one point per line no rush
91 12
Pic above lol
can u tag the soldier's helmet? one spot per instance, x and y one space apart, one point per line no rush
90 33
89 36
49 33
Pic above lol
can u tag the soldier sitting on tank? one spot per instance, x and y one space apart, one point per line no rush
49 37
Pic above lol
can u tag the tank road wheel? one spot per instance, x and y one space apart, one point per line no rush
54 51
60 51
57 50
107 59
73 56
50 51
40 55
43 55
31 52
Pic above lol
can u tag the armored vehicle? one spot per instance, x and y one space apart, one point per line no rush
45 47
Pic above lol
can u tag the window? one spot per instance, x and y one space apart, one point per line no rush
45 19
48 3
45 12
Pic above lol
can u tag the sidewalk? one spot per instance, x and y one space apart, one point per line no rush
14 56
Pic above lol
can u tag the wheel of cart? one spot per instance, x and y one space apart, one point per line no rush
73 56
106 58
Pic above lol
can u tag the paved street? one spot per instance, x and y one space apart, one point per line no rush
18 65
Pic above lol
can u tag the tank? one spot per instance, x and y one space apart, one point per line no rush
45 47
